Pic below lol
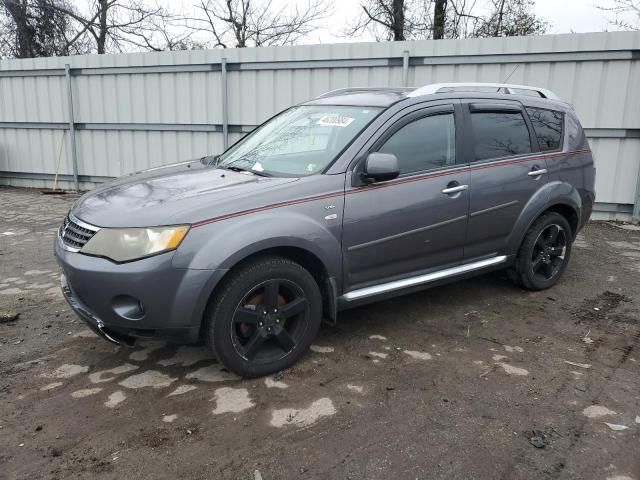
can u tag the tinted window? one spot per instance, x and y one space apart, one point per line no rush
499 134
423 144
548 127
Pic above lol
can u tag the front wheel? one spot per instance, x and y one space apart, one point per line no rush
544 253
264 317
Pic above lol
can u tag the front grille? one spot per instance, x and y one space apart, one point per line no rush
73 235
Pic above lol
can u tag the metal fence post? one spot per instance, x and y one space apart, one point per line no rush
225 106
405 68
635 216
72 128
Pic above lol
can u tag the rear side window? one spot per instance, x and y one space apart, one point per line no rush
424 144
499 134
548 127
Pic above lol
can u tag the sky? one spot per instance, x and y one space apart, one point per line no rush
564 16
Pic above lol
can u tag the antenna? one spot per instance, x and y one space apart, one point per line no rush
512 72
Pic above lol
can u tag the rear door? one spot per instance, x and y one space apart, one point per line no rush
506 170
417 221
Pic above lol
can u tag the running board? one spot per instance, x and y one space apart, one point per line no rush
421 279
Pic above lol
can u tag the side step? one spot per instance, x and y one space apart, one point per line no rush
420 279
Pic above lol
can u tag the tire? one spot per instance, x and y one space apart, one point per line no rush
541 261
251 343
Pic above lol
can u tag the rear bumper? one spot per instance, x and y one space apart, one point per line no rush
149 298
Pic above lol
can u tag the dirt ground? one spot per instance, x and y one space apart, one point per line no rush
477 379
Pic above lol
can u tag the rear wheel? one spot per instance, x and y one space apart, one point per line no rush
264 317
544 253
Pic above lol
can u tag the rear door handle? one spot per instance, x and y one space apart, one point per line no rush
456 189
537 173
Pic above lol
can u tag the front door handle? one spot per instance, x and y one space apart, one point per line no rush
456 189
537 172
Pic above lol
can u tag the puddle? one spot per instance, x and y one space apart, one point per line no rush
305 416
187 356
66 371
418 355
86 392
377 337
182 389
271 383
150 378
320 349
212 373
148 347
595 411
111 374
513 349
615 427
378 355
231 400
51 386
511 370
115 399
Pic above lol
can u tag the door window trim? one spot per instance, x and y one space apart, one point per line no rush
471 105
400 119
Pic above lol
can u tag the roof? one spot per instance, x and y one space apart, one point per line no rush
384 97
365 97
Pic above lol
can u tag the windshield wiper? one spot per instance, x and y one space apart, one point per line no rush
240 169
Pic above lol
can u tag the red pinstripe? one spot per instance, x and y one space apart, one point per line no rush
391 183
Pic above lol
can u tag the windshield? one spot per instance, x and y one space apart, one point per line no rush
300 141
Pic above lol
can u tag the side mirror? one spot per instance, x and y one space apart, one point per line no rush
381 166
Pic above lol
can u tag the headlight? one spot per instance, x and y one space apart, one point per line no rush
126 244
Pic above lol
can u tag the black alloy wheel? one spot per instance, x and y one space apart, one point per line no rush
544 253
548 252
264 316
269 321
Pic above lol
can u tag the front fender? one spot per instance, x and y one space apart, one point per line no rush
554 193
221 245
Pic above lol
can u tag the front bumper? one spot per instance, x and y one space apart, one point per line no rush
172 300
89 317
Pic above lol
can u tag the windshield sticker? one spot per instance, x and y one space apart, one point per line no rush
257 167
311 167
335 120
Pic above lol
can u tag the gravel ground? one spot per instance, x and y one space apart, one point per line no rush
477 379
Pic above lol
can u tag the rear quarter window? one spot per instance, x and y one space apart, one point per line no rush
548 125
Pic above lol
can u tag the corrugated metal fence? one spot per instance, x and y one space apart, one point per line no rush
122 113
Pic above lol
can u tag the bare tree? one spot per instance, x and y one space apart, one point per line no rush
393 19
111 24
254 23
510 18
34 28
437 19
627 14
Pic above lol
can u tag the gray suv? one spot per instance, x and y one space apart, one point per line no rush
349 198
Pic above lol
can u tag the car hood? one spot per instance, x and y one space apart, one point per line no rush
181 193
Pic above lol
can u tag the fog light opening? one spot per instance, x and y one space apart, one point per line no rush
128 307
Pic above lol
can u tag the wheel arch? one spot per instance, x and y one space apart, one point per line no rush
309 260
558 197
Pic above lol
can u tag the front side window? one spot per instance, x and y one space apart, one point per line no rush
424 144
300 141
548 127
499 134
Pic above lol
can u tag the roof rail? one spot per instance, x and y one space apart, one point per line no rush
482 87
343 91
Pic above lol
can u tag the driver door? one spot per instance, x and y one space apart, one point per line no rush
416 222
